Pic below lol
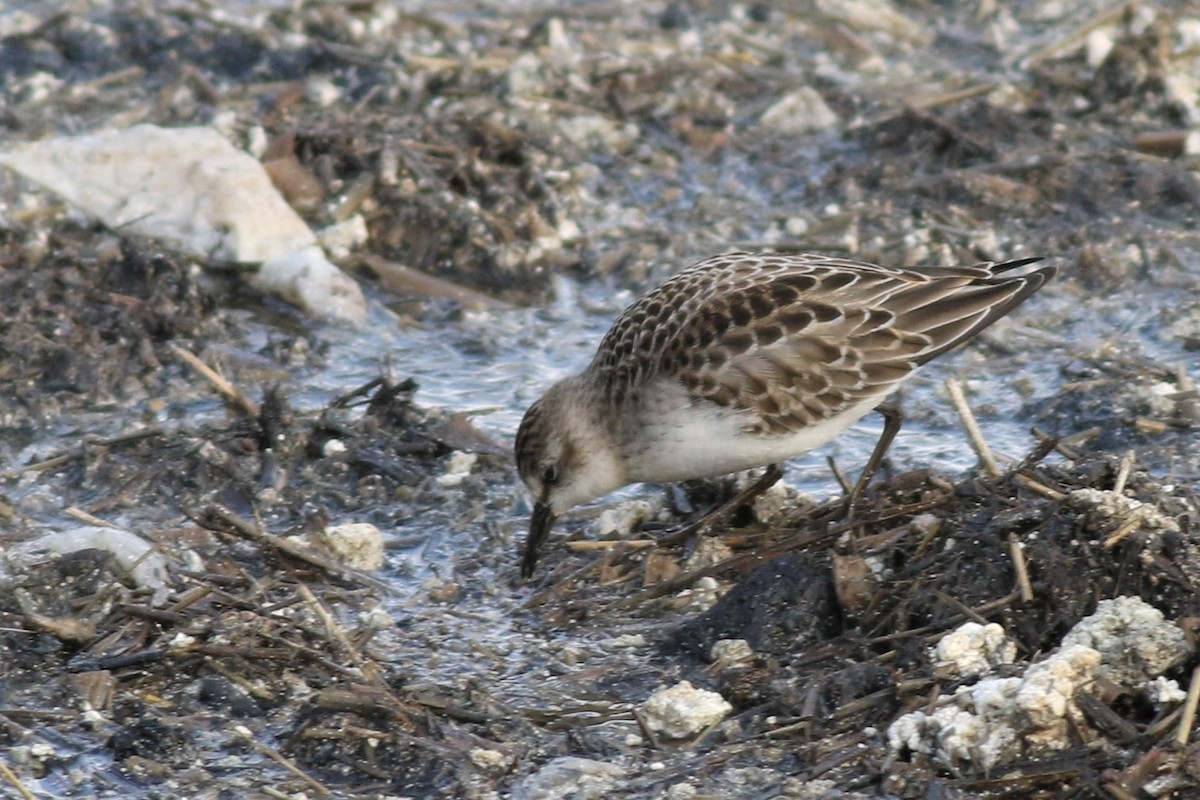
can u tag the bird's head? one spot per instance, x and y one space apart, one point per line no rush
565 456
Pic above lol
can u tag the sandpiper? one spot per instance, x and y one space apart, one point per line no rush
745 360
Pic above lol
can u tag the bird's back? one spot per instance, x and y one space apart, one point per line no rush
789 340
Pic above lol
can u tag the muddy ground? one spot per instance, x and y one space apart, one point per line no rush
497 147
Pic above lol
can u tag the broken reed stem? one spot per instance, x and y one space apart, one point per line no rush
974 435
1040 488
1189 710
217 380
1123 473
338 636
1129 526
598 545
1020 568
281 760
12 778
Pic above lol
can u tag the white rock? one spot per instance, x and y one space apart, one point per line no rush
376 618
587 129
322 91
875 15
709 550
1162 691
682 710
190 188
1136 643
524 76
1104 509
796 226
972 649
1098 45
728 653
1184 90
14 23
620 520
458 467
358 545
1187 33
488 760
630 641
802 111
1050 685
1000 720
305 278
342 238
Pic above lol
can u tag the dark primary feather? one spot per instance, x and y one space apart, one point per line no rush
799 338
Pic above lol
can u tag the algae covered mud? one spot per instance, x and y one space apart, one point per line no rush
251 552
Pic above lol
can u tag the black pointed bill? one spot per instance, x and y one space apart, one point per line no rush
539 529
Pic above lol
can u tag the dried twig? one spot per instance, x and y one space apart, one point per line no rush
598 545
1123 473
281 760
1073 39
232 523
1135 520
1189 710
216 379
960 607
1020 568
1039 487
90 519
12 778
370 669
990 468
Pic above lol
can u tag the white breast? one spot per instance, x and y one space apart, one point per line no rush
674 439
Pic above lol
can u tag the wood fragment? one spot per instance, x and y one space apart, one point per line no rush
336 633
15 782
1123 473
1152 426
602 545
1039 487
280 759
1057 444
1160 727
961 608
1017 549
1117 791
974 435
1167 144
90 519
231 392
1183 733
252 688
1127 527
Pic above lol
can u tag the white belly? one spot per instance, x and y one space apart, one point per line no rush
680 441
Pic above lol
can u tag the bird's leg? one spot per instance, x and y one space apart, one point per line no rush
769 478
892 420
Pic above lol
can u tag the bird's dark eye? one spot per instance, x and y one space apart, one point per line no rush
550 475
